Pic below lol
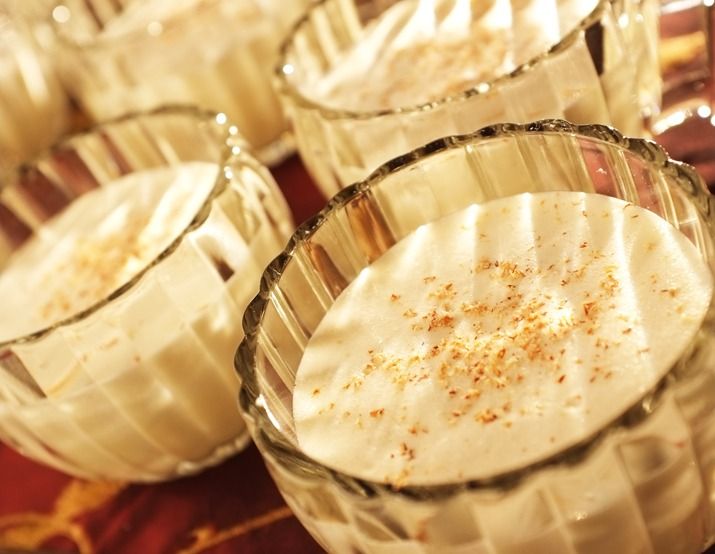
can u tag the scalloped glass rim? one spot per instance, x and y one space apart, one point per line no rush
268 436
285 86
232 140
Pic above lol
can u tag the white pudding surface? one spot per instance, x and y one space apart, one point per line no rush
496 337
98 243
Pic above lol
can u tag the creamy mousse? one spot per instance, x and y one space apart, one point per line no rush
421 51
99 243
498 336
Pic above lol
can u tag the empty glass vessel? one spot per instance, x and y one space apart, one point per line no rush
643 482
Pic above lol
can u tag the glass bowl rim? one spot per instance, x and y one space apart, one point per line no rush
286 87
232 145
291 458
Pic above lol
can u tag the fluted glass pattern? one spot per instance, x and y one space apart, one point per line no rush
643 483
215 54
140 385
603 71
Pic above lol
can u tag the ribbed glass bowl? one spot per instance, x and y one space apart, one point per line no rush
117 57
139 385
605 70
644 482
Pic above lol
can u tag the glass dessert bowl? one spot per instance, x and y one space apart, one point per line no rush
121 57
482 347
127 256
453 66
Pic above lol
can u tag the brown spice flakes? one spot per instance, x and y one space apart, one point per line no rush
429 279
472 394
609 284
394 297
476 308
316 392
437 321
406 451
446 291
510 270
417 428
355 382
377 413
487 416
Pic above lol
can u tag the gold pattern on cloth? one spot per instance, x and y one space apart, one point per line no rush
206 537
30 530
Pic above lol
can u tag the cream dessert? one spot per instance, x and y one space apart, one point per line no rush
142 388
212 53
419 52
496 337
99 243
362 90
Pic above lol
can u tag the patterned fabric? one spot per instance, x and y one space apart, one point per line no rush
230 508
